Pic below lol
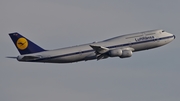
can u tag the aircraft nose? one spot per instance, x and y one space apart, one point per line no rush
174 36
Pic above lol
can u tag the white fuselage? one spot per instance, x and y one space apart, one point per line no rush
133 42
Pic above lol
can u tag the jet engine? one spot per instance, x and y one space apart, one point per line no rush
120 53
126 54
115 53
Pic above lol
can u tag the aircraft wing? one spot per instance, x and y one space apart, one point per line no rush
103 52
100 51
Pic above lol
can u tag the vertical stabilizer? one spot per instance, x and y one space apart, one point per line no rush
24 45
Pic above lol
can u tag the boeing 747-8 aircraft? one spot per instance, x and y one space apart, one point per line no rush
121 46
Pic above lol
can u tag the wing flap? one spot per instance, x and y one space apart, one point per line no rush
99 49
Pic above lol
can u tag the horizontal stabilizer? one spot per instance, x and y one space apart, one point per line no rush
28 58
11 57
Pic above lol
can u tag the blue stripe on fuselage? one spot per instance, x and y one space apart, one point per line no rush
86 51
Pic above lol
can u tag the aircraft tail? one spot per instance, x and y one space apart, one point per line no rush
24 45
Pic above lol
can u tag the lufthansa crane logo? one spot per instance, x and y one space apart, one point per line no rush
22 43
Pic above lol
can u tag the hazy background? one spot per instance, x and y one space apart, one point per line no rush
151 75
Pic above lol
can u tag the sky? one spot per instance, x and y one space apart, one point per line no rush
151 75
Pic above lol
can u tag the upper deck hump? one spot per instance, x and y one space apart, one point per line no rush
126 36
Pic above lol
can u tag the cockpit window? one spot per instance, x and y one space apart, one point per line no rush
163 31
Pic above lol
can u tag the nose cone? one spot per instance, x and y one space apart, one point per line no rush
170 35
174 36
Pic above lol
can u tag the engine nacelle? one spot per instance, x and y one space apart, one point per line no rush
126 54
115 53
